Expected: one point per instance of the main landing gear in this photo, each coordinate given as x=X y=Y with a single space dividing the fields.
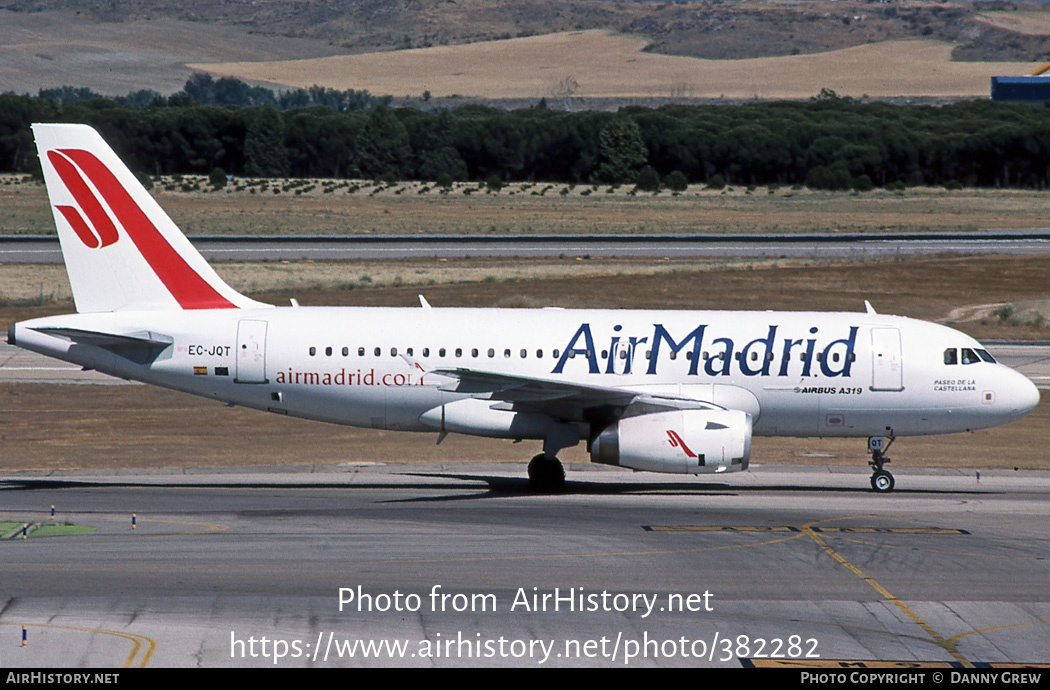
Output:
x=546 y=475
x=881 y=479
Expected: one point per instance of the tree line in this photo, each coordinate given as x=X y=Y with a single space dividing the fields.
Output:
x=203 y=89
x=827 y=142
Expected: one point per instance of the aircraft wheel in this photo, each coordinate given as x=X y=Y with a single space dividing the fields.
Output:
x=882 y=482
x=546 y=474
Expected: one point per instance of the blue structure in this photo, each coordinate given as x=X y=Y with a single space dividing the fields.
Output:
x=1024 y=89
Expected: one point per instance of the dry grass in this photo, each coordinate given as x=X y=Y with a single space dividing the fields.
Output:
x=53 y=427
x=595 y=64
x=532 y=208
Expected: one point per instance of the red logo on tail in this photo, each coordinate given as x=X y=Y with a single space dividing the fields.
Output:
x=677 y=442
x=102 y=232
x=188 y=288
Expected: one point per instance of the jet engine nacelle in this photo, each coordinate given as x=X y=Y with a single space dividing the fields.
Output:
x=679 y=441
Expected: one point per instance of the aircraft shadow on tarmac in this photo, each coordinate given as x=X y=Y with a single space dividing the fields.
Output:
x=503 y=487
x=481 y=486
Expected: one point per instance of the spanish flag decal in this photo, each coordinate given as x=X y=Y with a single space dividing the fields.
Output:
x=200 y=371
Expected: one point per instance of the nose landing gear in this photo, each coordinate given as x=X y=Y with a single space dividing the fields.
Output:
x=881 y=479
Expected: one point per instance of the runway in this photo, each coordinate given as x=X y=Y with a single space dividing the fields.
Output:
x=462 y=565
x=25 y=249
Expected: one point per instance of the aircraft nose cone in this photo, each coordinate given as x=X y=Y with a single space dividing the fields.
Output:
x=1030 y=396
x=1024 y=396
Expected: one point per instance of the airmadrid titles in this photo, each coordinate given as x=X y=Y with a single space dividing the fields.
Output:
x=711 y=356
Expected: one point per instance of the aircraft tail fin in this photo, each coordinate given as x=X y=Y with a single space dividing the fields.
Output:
x=121 y=249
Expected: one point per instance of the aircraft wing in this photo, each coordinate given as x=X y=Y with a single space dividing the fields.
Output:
x=564 y=400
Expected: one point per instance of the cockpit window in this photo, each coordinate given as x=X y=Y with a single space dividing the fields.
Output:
x=968 y=356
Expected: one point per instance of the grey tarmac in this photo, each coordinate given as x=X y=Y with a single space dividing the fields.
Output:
x=36 y=249
x=249 y=568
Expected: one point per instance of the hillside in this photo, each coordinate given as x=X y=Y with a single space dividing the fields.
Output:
x=576 y=69
x=700 y=28
x=114 y=46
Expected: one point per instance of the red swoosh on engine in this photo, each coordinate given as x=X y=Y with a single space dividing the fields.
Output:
x=677 y=442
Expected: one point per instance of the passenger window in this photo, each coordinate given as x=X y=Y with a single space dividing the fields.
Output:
x=441 y=352
x=492 y=353
x=524 y=353
x=969 y=356
x=426 y=351
x=539 y=354
x=506 y=353
x=393 y=352
x=346 y=352
x=328 y=351
x=409 y=352
x=754 y=356
x=951 y=356
x=360 y=352
x=474 y=352
x=313 y=351
x=459 y=352
x=378 y=352
x=555 y=355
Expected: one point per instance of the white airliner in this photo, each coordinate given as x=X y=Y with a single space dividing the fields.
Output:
x=661 y=391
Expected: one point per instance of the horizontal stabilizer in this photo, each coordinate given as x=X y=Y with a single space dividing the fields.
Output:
x=141 y=348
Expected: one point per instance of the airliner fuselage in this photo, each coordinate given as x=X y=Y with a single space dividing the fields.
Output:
x=795 y=373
